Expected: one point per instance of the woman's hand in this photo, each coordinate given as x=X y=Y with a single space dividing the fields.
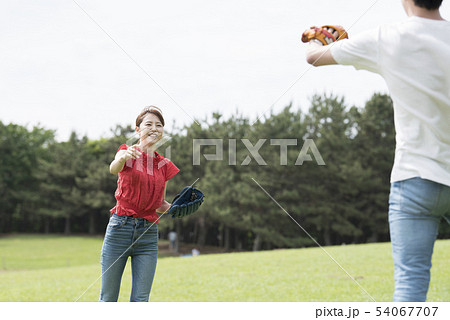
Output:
x=121 y=158
x=131 y=153
x=165 y=206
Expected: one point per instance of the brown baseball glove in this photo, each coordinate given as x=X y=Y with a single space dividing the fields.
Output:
x=323 y=34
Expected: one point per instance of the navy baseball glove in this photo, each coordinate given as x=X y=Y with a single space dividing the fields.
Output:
x=186 y=202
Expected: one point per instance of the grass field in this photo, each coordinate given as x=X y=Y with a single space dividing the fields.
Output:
x=56 y=268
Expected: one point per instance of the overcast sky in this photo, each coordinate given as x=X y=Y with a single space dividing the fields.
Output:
x=88 y=65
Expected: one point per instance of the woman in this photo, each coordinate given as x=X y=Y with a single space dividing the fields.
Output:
x=132 y=229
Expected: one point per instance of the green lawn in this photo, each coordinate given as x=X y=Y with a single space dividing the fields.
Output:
x=56 y=268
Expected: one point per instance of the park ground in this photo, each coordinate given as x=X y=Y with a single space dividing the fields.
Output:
x=59 y=268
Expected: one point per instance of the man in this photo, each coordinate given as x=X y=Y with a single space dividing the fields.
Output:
x=413 y=57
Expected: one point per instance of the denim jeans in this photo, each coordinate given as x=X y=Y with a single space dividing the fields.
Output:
x=118 y=245
x=416 y=207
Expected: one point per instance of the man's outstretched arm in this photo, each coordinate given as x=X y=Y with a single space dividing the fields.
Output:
x=318 y=51
x=319 y=55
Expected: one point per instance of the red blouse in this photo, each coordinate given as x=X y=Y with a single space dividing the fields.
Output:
x=140 y=186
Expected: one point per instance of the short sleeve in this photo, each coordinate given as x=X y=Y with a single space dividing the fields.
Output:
x=129 y=161
x=360 y=51
x=122 y=147
x=171 y=169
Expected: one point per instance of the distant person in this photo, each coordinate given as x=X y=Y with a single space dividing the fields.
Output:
x=132 y=229
x=413 y=57
x=172 y=239
x=195 y=252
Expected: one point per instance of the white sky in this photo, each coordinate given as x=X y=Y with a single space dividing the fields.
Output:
x=59 y=69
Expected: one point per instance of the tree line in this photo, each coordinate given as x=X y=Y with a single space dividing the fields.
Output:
x=280 y=182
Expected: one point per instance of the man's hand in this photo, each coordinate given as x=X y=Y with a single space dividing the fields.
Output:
x=318 y=53
x=325 y=34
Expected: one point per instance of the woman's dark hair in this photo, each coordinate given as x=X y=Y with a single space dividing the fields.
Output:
x=428 y=4
x=150 y=109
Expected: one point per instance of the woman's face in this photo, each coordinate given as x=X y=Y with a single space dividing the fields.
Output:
x=150 y=130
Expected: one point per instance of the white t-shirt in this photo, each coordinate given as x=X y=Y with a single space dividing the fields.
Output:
x=414 y=59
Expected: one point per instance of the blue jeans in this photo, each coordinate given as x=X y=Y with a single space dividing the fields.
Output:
x=416 y=207
x=118 y=245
